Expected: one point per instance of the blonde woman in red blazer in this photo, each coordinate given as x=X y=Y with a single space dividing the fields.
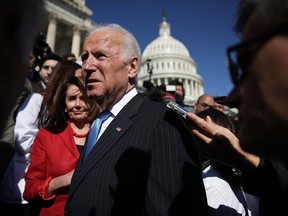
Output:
x=65 y=117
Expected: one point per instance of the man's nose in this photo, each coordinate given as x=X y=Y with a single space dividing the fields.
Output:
x=50 y=70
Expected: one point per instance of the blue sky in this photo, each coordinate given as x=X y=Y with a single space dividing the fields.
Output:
x=205 y=27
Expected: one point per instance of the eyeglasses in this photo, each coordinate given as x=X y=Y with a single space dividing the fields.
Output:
x=205 y=105
x=238 y=71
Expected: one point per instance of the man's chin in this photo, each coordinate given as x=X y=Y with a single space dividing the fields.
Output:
x=95 y=95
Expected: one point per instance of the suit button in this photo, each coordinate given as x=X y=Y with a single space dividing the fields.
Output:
x=67 y=212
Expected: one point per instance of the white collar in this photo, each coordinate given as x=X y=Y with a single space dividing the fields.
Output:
x=123 y=101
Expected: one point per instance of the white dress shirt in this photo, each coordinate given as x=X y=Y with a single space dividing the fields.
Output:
x=117 y=108
x=26 y=128
x=220 y=193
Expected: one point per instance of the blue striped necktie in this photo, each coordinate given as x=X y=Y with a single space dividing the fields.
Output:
x=94 y=131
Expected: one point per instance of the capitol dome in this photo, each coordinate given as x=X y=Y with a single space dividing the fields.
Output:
x=165 y=45
x=166 y=59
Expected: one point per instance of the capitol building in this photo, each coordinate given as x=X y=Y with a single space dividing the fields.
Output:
x=164 y=59
x=67 y=25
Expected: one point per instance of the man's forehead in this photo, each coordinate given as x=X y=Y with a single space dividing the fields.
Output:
x=206 y=97
x=50 y=61
x=104 y=40
x=104 y=34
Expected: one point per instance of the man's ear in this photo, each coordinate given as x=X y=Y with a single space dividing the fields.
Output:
x=134 y=66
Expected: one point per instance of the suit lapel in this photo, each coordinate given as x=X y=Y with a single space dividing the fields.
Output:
x=120 y=124
x=70 y=144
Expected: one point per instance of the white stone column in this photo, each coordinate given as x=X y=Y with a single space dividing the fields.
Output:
x=195 y=89
x=199 y=89
x=166 y=81
x=187 y=87
x=51 y=32
x=76 y=42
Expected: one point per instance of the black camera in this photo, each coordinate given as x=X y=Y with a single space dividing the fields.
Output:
x=170 y=88
x=40 y=48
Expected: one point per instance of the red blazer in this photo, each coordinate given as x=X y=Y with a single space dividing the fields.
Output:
x=52 y=155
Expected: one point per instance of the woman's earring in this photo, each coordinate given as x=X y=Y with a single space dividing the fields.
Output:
x=65 y=110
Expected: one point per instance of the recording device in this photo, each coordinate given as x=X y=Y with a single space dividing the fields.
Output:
x=182 y=112
x=40 y=48
x=170 y=88
x=177 y=108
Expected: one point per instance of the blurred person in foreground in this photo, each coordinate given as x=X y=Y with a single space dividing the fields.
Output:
x=7 y=146
x=260 y=94
x=20 y=22
x=141 y=163
x=64 y=121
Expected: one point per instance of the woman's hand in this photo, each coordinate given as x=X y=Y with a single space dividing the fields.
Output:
x=60 y=182
x=220 y=144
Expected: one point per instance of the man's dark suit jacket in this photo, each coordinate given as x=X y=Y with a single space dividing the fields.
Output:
x=145 y=163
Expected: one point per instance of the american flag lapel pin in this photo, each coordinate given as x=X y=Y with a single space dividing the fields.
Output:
x=118 y=129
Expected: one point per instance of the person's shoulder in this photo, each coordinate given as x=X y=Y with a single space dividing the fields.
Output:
x=210 y=171
x=33 y=97
x=154 y=107
x=37 y=87
x=33 y=101
x=57 y=129
x=154 y=104
x=52 y=131
x=36 y=96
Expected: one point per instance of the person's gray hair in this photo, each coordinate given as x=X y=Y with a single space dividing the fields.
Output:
x=130 y=46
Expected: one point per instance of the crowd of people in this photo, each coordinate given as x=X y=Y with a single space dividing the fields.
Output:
x=60 y=156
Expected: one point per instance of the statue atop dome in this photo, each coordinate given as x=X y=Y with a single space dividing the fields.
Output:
x=164 y=29
x=163 y=16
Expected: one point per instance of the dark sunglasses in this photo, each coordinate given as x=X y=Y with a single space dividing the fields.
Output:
x=237 y=72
